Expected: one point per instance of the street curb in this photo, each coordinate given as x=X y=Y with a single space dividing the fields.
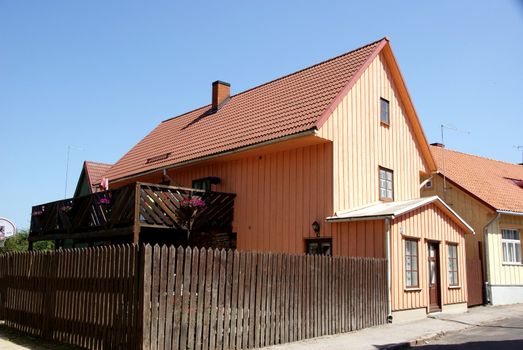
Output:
x=418 y=341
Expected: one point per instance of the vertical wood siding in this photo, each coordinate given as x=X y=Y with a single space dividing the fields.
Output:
x=503 y=274
x=279 y=195
x=427 y=223
x=359 y=238
x=475 y=213
x=361 y=143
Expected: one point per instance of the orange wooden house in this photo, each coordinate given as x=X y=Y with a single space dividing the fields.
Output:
x=326 y=160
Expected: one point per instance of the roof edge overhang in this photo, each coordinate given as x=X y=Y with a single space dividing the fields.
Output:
x=508 y=212
x=412 y=115
x=360 y=218
x=488 y=205
x=332 y=106
x=428 y=200
x=309 y=132
x=83 y=174
x=409 y=107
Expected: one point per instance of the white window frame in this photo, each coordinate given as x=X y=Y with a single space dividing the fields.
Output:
x=453 y=282
x=511 y=245
x=386 y=184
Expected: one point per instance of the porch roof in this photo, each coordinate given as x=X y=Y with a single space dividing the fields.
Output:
x=391 y=210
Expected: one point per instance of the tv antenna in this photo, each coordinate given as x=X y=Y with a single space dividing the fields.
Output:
x=69 y=147
x=520 y=148
x=452 y=128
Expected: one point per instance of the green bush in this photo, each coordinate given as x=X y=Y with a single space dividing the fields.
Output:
x=19 y=243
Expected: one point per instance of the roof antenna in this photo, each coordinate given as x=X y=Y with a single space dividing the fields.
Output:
x=520 y=148
x=67 y=165
x=448 y=127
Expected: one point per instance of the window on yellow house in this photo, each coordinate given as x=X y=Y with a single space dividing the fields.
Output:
x=511 y=242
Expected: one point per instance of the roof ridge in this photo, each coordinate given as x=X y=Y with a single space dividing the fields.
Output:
x=99 y=163
x=475 y=155
x=288 y=75
x=310 y=67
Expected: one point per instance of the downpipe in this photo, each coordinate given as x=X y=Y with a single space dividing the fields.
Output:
x=485 y=248
x=387 y=252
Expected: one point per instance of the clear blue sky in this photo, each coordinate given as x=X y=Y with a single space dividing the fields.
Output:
x=101 y=74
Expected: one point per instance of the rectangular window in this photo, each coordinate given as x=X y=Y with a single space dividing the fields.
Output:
x=386 y=184
x=411 y=263
x=319 y=246
x=511 y=242
x=384 y=111
x=205 y=183
x=453 y=265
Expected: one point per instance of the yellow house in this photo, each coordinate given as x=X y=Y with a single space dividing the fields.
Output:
x=488 y=194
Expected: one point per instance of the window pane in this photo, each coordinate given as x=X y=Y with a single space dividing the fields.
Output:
x=414 y=279
x=407 y=247
x=432 y=272
x=384 y=111
x=414 y=248
x=505 y=251
x=518 y=252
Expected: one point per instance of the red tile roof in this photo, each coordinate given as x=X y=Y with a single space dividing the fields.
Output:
x=95 y=173
x=492 y=181
x=285 y=106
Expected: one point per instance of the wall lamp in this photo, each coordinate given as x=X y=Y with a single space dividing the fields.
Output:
x=316 y=228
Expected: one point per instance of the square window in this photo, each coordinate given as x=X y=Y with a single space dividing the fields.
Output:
x=384 y=111
x=319 y=246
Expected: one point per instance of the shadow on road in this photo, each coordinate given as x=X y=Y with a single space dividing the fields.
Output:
x=480 y=345
x=20 y=340
x=476 y=324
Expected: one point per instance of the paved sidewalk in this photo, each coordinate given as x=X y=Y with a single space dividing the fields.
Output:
x=395 y=335
x=14 y=340
x=399 y=335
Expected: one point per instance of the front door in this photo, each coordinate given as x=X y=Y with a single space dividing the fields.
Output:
x=434 y=289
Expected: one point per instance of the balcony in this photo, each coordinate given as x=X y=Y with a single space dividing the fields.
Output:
x=137 y=213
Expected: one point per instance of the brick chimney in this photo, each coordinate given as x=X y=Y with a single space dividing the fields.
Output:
x=221 y=92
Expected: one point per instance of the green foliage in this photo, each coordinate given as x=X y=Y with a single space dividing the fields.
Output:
x=19 y=243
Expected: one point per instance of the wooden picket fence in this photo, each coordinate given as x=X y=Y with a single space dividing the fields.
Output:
x=126 y=297
x=216 y=299
x=85 y=297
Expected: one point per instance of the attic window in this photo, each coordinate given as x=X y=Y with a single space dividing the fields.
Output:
x=157 y=158
x=384 y=111
x=517 y=182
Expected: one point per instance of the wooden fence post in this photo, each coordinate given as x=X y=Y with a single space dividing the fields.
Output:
x=49 y=298
x=3 y=286
x=144 y=322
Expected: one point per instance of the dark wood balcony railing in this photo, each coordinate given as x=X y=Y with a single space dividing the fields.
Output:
x=128 y=209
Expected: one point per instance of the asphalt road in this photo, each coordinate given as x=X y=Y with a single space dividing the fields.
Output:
x=506 y=334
